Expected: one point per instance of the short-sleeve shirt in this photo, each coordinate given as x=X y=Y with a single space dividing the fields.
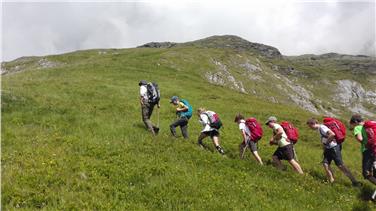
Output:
x=204 y=120
x=323 y=130
x=144 y=93
x=359 y=129
x=283 y=140
x=244 y=128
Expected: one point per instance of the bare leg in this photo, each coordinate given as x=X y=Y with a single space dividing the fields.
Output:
x=347 y=172
x=242 y=148
x=296 y=166
x=277 y=163
x=257 y=156
x=217 y=146
x=329 y=172
x=200 y=138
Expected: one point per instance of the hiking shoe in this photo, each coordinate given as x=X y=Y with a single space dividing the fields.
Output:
x=220 y=150
x=373 y=197
x=156 y=130
x=357 y=184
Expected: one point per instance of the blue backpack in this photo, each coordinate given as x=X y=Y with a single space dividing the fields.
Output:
x=188 y=113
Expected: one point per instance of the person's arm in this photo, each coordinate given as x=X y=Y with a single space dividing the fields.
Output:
x=278 y=135
x=185 y=108
x=142 y=100
x=244 y=135
x=330 y=135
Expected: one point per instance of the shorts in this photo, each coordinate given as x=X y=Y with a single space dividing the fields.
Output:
x=285 y=153
x=331 y=154
x=211 y=133
x=368 y=160
x=251 y=144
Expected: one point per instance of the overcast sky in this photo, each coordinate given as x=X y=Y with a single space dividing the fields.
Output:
x=294 y=27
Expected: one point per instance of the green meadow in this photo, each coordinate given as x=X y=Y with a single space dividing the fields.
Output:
x=73 y=139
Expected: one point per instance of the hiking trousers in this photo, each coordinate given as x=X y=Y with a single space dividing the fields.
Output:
x=183 y=123
x=147 y=111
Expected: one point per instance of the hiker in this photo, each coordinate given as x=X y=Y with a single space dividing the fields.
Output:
x=251 y=132
x=285 y=149
x=149 y=97
x=331 y=152
x=184 y=113
x=368 y=156
x=211 y=123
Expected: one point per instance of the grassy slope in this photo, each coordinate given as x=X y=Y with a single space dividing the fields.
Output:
x=72 y=138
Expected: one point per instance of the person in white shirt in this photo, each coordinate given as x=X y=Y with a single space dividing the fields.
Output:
x=147 y=108
x=331 y=152
x=285 y=149
x=246 y=135
x=208 y=130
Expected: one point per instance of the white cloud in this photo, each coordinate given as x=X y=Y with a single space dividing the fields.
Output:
x=294 y=27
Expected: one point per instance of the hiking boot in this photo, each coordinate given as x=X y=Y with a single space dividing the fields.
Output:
x=156 y=130
x=220 y=150
x=357 y=184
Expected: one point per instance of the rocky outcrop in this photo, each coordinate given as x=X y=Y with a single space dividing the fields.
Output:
x=223 y=77
x=158 y=45
x=351 y=94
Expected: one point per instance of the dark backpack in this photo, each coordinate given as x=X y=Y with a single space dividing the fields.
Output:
x=255 y=127
x=370 y=127
x=291 y=131
x=214 y=120
x=154 y=94
x=337 y=127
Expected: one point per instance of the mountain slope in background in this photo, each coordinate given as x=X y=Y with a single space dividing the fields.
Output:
x=73 y=139
x=330 y=84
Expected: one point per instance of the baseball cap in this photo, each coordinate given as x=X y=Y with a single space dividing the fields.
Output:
x=270 y=119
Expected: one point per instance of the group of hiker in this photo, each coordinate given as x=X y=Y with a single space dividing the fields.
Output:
x=332 y=133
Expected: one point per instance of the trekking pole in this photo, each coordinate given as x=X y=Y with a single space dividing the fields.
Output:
x=244 y=149
x=158 y=117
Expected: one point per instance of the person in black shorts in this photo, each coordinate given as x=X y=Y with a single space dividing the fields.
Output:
x=368 y=157
x=204 y=119
x=332 y=151
x=285 y=148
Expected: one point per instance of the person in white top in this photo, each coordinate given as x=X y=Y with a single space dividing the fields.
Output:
x=246 y=135
x=285 y=149
x=207 y=130
x=147 y=108
x=331 y=152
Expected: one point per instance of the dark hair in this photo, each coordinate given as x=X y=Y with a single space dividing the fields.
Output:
x=312 y=121
x=238 y=117
x=356 y=118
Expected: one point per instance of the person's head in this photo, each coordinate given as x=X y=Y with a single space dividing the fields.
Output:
x=200 y=111
x=356 y=120
x=142 y=83
x=175 y=100
x=238 y=117
x=271 y=121
x=313 y=123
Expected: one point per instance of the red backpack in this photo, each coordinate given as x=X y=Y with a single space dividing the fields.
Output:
x=255 y=128
x=337 y=127
x=370 y=127
x=291 y=131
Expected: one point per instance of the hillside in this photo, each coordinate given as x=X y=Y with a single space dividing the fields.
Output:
x=72 y=135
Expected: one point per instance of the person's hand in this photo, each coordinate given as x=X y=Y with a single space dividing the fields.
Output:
x=159 y=105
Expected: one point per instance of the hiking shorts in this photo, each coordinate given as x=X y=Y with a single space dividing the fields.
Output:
x=368 y=160
x=331 y=154
x=211 y=133
x=252 y=145
x=285 y=153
